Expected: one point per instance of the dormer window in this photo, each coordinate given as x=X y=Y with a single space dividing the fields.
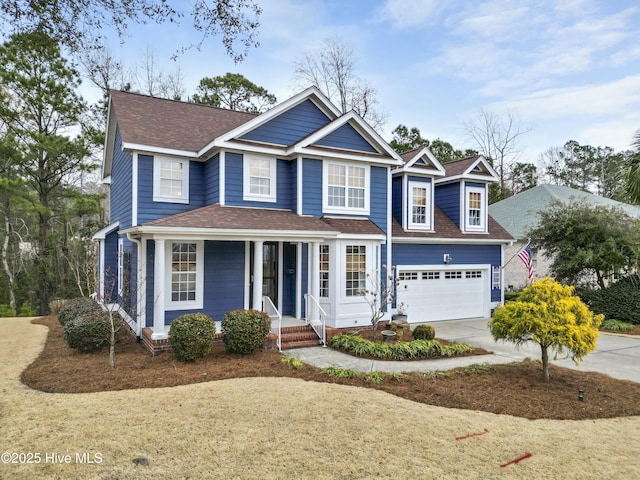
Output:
x=420 y=205
x=170 y=180
x=259 y=178
x=476 y=210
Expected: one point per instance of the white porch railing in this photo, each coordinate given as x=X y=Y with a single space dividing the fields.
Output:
x=270 y=309
x=316 y=317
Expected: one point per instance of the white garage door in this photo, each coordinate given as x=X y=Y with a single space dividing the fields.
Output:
x=433 y=295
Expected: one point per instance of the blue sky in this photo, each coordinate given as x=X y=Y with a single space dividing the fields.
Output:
x=568 y=69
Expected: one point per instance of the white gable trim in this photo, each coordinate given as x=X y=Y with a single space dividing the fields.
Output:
x=103 y=232
x=359 y=125
x=161 y=150
x=437 y=170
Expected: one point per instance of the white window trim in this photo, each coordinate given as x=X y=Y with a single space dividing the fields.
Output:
x=246 y=179
x=157 y=196
x=419 y=226
x=198 y=303
x=325 y=189
x=483 y=209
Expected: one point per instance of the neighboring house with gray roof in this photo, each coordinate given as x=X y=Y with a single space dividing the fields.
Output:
x=520 y=213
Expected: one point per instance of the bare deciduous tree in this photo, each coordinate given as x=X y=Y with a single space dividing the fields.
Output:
x=333 y=71
x=497 y=138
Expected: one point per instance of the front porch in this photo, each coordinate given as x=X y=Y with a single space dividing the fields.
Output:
x=294 y=333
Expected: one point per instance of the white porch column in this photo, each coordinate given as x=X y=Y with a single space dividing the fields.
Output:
x=158 y=291
x=314 y=281
x=257 y=274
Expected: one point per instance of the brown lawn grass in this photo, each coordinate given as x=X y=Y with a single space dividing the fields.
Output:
x=267 y=424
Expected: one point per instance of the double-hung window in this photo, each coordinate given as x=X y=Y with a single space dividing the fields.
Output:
x=346 y=188
x=185 y=278
x=356 y=266
x=259 y=181
x=170 y=180
x=420 y=205
x=324 y=271
x=476 y=210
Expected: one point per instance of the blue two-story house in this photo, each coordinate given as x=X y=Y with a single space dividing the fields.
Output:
x=293 y=211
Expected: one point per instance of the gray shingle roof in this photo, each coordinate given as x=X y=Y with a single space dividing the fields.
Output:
x=519 y=213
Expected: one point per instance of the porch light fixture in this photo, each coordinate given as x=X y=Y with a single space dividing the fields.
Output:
x=581 y=395
x=448 y=259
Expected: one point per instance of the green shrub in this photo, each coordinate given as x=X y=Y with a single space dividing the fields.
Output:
x=616 y=325
x=374 y=377
x=26 y=310
x=90 y=332
x=191 y=336
x=339 y=372
x=397 y=351
x=621 y=300
x=78 y=307
x=511 y=295
x=6 y=311
x=56 y=305
x=424 y=332
x=245 y=330
x=293 y=362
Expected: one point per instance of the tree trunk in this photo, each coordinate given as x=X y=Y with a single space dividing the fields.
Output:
x=545 y=362
x=5 y=264
x=112 y=342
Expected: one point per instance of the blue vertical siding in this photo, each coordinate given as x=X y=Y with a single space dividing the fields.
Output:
x=290 y=126
x=211 y=181
x=379 y=195
x=347 y=137
x=447 y=197
x=312 y=187
x=396 y=195
x=149 y=210
x=120 y=191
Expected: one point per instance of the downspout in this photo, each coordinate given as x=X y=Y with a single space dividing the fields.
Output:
x=139 y=290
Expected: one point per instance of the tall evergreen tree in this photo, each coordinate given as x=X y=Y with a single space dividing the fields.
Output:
x=41 y=109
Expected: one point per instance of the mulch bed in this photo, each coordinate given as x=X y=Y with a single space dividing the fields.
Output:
x=516 y=389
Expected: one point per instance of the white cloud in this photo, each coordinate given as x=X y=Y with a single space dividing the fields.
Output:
x=407 y=13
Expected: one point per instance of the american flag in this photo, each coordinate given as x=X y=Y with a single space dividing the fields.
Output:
x=525 y=256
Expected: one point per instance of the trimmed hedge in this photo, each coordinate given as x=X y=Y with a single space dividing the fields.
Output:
x=620 y=301
x=424 y=332
x=191 y=336
x=90 y=332
x=245 y=330
x=78 y=307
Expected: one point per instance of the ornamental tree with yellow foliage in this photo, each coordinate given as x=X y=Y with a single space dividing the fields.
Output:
x=550 y=315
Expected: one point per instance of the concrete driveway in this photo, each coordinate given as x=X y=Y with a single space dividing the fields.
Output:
x=616 y=355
